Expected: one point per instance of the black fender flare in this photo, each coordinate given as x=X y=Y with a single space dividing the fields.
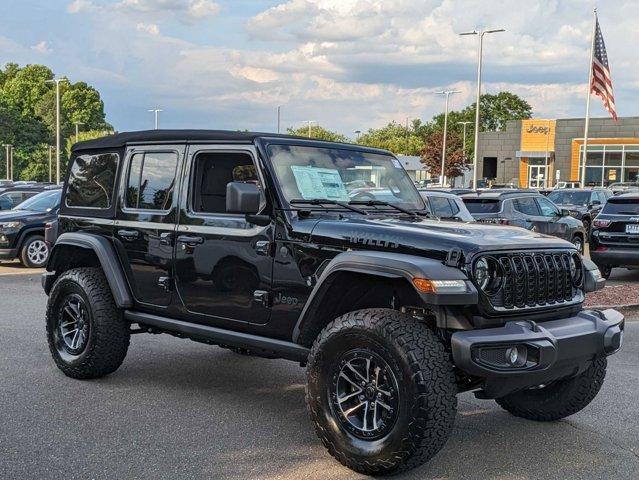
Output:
x=24 y=234
x=107 y=257
x=389 y=265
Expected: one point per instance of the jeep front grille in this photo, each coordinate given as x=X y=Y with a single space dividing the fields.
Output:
x=534 y=280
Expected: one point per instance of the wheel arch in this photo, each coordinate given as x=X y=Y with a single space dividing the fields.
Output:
x=77 y=249
x=26 y=233
x=357 y=280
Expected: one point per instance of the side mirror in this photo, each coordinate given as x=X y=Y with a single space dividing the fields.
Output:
x=242 y=198
x=595 y=202
x=564 y=212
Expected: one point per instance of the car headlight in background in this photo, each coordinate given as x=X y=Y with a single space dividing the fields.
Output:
x=488 y=274
x=9 y=227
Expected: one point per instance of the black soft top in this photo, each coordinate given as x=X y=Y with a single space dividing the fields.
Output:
x=120 y=140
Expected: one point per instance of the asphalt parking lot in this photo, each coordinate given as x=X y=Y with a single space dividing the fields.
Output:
x=178 y=409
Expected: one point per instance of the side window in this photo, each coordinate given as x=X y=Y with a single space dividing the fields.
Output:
x=526 y=205
x=151 y=180
x=441 y=207
x=601 y=196
x=91 y=181
x=212 y=171
x=548 y=209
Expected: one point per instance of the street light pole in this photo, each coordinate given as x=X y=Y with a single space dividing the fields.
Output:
x=309 y=126
x=11 y=150
x=447 y=94
x=50 y=163
x=480 y=34
x=7 y=146
x=279 y=116
x=57 y=123
x=156 y=114
x=357 y=134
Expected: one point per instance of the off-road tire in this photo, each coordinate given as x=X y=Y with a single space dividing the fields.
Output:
x=559 y=399
x=24 y=252
x=426 y=386
x=109 y=334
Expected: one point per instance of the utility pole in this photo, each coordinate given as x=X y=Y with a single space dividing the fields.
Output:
x=447 y=94
x=50 y=163
x=156 y=114
x=11 y=150
x=309 y=126
x=357 y=134
x=77 y=131
x=463 y=124
x=7 y=146
x=279 y=117
x=480 y=35
x=57 y=81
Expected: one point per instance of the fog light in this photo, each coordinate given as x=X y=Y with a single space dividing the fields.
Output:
x=517 y=355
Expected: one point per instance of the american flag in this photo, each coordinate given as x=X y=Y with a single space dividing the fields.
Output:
x=601 y=82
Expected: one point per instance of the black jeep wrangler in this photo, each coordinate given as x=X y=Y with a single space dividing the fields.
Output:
x=321 y=253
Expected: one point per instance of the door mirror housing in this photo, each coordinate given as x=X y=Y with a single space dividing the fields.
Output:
x=594 y=203
x=564 y=212
x=242 y=198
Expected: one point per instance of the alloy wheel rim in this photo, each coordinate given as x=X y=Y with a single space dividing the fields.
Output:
x=73 y=325
x=364 y=394
x=577 y=243
x=37 y=252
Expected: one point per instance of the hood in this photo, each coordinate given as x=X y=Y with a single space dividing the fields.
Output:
x=428 y=237
x=14 y=215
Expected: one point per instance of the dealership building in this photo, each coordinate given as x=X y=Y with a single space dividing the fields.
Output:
x=537 y=153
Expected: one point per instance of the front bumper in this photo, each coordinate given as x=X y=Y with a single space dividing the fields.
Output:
x=555 y=349
x=8 y=253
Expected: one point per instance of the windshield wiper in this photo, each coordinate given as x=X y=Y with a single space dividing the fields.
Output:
x=326 y=201
x=382 y=203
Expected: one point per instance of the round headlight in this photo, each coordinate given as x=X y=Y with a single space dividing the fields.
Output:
x=488 y=274
x=576 y=269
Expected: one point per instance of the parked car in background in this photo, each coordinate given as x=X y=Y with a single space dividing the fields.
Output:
x=526 y=209
x=560 y=185
x=22 y=229
x=503 y=186
x=454 y=191
x=423 y=183
x=624 y=187
x=445 y=206
x=18 y=192
x=614 y=238
x=583 y=203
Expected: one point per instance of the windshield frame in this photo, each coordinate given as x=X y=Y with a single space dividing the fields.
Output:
x=265 y=143
x=570 y=192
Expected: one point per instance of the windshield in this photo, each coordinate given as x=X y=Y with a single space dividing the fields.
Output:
x=481 y=205
x=42 y=202
x=341 y=175
x=622 y=206
x=570 y=198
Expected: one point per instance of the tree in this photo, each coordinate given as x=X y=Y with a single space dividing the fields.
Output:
x=396 y=137
x=318 y=132
x=83 y=136
x=431 y=154
x=496 y=110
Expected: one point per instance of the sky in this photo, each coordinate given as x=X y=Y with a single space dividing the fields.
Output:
x=346 y=64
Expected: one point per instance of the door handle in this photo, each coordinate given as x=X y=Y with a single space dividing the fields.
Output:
x=129 y=234
x=189 y=240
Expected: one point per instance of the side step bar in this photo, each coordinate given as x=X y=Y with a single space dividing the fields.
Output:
x=279 y=348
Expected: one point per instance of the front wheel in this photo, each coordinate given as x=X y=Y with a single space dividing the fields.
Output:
x=605 y=271
x=559 y=399
x=578 y=242
x=35 y=252
x=381 y=391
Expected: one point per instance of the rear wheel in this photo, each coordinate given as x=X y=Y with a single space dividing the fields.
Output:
x=87 y=334
x=35 y=252
x=605 y=271
x=559 y=399
x=381 y=391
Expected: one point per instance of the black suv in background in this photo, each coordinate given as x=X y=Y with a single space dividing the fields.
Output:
x=530 y=210
x=614 y=240
x=22 y=229
x=253 y=242
x=14 y=195
x=583 y=203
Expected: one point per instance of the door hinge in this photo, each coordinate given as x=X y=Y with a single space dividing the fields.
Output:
x=262 y=297
x=165 y=283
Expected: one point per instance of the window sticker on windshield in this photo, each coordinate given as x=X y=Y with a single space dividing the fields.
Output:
x=315 y=182
x=396 y=163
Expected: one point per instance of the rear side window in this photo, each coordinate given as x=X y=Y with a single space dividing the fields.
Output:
x=526 y=205
x=91 y=181
x=443 y=208
x=482 y=205
x=151 y=180
x=619 y=206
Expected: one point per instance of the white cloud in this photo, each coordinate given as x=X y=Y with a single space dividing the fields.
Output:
x=41 y=47
x=150 y=28
x=187 y=11
x=202 y=9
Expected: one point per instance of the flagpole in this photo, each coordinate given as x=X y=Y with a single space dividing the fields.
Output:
x=587 y=122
